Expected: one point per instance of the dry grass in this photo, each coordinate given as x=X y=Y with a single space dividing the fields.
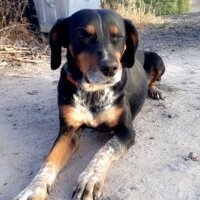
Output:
x=13 y=25
x=139 y=15
x=17 y=41
x=20 y=53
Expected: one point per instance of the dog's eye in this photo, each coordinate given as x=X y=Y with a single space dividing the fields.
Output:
x=116 y=38
x=87 y=38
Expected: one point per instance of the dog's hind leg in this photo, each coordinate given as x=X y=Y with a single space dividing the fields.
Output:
x=154 y=67
x=154 y=77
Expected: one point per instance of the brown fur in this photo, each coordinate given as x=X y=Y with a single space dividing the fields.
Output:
x=85 y=61
x=114 y=30
x=61 y=151
x=76 y=117
x=154 y=76
x=91 y=29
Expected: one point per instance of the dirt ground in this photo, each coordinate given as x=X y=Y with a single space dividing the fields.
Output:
x=157 y=167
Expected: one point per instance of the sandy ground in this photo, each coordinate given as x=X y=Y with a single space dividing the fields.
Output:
x=157 y=167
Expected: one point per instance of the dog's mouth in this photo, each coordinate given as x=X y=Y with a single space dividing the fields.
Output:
x=95 y=80
x=90 y=81
x=97 y=77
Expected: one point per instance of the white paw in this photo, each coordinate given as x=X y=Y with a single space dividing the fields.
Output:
x=36 y=191
x=89 y=186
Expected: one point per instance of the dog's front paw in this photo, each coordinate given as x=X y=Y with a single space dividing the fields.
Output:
x=89 y=186
x=155 y=93
x=35 y=191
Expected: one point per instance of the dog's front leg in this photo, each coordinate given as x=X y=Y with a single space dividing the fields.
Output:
x=63 y=148
x=91 y=181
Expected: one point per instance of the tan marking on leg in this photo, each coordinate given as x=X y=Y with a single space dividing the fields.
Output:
x=154 y=76
x=39 y=187
x=61 y=152
x=154 y=92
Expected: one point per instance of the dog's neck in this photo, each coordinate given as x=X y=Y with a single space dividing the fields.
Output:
x=73 y=74
x=70 y=79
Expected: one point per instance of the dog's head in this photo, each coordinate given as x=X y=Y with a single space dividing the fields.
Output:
x=99 y=43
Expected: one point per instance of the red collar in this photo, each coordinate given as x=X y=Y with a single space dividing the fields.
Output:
x=69 y=78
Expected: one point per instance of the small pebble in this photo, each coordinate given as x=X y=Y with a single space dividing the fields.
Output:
x=151 y=138
x=194 y=156
x=171 y=116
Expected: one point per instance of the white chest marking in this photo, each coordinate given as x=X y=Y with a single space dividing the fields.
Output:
x=92 y=104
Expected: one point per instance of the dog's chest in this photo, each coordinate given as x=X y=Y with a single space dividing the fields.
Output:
x=93 y=105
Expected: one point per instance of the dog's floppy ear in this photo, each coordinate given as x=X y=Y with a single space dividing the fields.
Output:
x=58 y=38
x=128 y=58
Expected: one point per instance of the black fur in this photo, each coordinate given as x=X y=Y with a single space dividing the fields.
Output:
x=131 y=91
x=153 y=61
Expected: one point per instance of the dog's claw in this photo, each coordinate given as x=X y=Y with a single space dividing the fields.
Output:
x=77 y=194
x=88 y=188
x=73 y=194
x=155 y=93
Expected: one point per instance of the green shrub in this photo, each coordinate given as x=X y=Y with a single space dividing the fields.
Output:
x=167 y=7
x=161 y=7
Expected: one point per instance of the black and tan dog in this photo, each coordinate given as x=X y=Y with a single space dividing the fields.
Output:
x=103 y=84
x=154 y=68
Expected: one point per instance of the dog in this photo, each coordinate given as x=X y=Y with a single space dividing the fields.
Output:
x=154 y=67
x=102 y=84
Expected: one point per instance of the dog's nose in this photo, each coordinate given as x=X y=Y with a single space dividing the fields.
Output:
x=109 y=69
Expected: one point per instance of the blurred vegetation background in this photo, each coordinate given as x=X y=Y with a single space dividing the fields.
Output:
x=18 y=18
x=160 y=7
x=21 y=39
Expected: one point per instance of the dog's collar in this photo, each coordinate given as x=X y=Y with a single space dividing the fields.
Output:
x=70 y=79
